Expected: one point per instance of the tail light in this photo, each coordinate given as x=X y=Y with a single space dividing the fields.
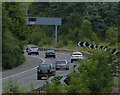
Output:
x=39 y=71
x=30 y=50
x=51 y=71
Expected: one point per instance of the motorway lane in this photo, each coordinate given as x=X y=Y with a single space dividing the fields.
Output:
x=28 y=77
x=30 y=63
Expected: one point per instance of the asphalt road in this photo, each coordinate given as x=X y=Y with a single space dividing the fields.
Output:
x=25 y=75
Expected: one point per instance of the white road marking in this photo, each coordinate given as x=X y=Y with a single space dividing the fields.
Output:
x=26 y=70
x=29 y=69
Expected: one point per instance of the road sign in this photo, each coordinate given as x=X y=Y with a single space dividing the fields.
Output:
x=43 y=21
x=105 y=48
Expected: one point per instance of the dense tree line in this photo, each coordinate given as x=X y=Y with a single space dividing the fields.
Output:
x=81 y=21
x=91 y=22
x=14 y=32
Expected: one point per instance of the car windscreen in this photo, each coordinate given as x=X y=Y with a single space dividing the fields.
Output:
x=50 y=51
x=77 y=54
x=44 y=67
x=61 y=62
x=34 y=47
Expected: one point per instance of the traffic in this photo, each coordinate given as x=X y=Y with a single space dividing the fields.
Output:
x=39 y=69
x=50 y=69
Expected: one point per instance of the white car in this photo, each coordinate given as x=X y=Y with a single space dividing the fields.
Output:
x=76 y=56
x=32 y=49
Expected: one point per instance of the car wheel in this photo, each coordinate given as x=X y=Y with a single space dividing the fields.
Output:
x=29 y=53
x=46 y=57
x=37 y=53
x=67 y=68
x=54 y=57
x=54 y=74
x=71 y=61
x=39 y=77
x=56 y=68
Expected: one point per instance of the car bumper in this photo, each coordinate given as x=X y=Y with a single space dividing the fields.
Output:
x=44 y=75
x=77 y=58
x=50 y=55
x=62 y=67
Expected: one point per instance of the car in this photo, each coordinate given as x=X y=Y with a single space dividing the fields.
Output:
x=50 y=53
x=44 y=70
x=32 y=49
x=62 y=64
x=76 y=56
x=28 y=47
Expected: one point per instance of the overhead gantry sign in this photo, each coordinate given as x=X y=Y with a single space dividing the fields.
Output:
x=45 y=21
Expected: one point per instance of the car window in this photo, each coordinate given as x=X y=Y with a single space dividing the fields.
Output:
x=77 y=54
x=61 y=62
x=50 y=51
x=33 y=47
x=45 y=66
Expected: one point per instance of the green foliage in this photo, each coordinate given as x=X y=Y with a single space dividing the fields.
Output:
x=80 y=21
x=55 y=87
x=31 y=87
x=12 y=87
x=94 y=75
x=112 y=35
x=12 y=55
x=14 y=32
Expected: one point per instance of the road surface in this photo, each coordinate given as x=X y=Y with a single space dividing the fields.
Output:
x=25 y=74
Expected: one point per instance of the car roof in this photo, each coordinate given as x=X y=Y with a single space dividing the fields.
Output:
x=61 y=60
x=45 y=64
x=77 y=53
x=32 y=46
x=50 y=51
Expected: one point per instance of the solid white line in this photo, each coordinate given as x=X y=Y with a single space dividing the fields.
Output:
x=29 y=69
x=26 y=70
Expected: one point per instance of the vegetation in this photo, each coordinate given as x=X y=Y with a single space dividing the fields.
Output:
x=14 y=32
x=94 y=75
x=12 y=87
x=91 y=22
x=96 y=23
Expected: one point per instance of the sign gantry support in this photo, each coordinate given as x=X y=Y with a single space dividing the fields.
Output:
x=43 y=21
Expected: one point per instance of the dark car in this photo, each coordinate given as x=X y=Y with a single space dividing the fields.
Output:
x=44 y=70
x=50 y=53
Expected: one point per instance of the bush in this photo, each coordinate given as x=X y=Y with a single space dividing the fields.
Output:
x=94 y=74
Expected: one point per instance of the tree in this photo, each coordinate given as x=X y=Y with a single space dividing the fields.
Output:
x=94 y=74
x=112 y=35
x=85 y=31
x=14 y=32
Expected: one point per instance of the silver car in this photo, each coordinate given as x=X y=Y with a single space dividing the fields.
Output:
x=62 y=64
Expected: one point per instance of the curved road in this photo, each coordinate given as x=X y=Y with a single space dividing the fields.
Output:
x=26 y=73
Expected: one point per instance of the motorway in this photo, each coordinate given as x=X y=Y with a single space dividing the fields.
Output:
x=25 y=74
